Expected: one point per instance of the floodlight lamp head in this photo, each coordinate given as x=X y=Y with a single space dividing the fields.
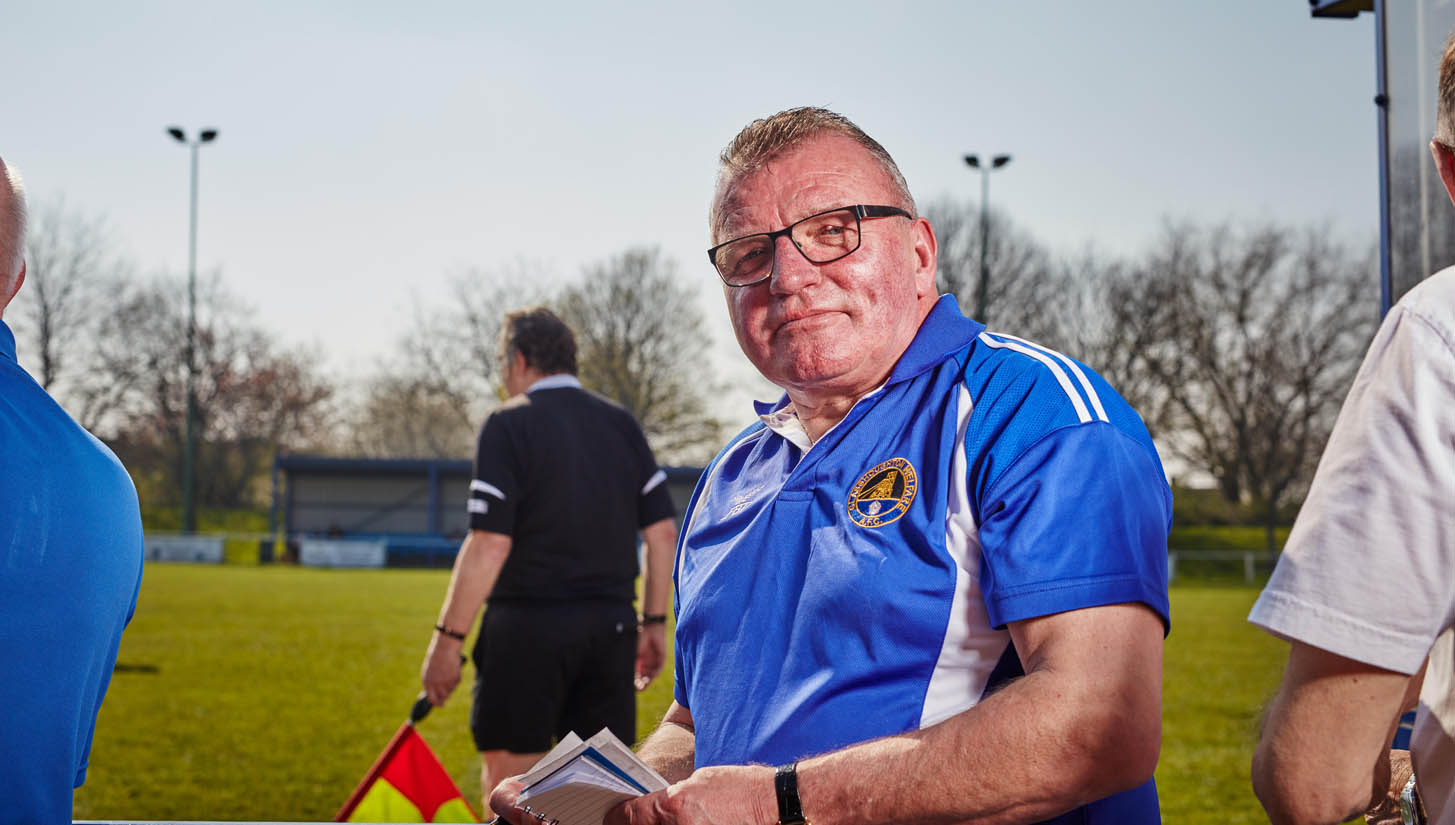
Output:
x=209 y=134
x=176 y=132
x=973 y=161
x=999 y=161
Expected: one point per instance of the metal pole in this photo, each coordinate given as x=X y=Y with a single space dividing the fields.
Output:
x=1387 y=294
x=189 y=453
x=982 y=294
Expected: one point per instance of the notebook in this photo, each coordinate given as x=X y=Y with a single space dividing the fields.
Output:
x=579 y=781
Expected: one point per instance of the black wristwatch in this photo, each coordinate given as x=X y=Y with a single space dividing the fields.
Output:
x=785 y=782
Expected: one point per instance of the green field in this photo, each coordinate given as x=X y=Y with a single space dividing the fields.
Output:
x=265 y=693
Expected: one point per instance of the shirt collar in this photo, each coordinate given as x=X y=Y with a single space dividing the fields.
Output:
x=945 y=330
x=7 y=342
x=553 y=382
x=782 y=419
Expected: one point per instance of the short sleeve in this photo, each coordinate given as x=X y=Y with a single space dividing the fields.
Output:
x=494 y=484
x=1366 y=570
x=654 y=501
x=1079 y=519
x=680 y=678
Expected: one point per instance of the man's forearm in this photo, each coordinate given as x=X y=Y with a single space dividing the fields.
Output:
x=1326 y=732
x=670 y=750
x=477 y=566
x=661 y=540
x=1027 y=753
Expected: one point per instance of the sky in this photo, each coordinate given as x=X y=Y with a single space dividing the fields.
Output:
x=369 y=152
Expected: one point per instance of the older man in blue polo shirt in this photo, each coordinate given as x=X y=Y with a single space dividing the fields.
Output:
x=929 y=584
x=70 y=569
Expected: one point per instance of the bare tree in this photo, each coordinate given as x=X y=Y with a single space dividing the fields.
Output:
x=412 y=416
x=253 y=398
x=1023 y=283
x=1110 y=315
x=430 y=398
x=72 y=270
x=1254 y=336
x=641 y=341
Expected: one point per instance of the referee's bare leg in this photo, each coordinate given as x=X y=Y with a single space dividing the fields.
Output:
x=496 y=767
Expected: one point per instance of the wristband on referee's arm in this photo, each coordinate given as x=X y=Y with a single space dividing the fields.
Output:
x=456 y=635
x=785 y=783
x=652 y=618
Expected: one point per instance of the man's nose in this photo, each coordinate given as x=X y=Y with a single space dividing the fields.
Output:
x=791 y=270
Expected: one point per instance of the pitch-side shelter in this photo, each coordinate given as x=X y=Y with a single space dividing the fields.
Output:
x=395 y=512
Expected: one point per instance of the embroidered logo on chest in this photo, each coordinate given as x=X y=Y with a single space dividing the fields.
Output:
x=883 y=494
x=742 y=500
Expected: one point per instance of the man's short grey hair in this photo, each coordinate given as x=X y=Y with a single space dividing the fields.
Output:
x=765 y=139
x=12 y=224
x=1445 y=109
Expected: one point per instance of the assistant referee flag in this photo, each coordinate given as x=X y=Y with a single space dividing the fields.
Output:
x=407 y=784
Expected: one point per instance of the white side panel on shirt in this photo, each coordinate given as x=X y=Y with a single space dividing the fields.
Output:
x=971 y=649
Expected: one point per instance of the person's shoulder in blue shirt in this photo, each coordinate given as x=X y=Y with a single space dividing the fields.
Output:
x=70 y=570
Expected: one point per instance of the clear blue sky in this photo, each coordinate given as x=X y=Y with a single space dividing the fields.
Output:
x=369 y=150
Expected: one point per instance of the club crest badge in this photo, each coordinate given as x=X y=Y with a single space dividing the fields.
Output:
x=883 y=494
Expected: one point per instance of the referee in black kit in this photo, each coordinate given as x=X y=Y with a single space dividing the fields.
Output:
x=563 y=482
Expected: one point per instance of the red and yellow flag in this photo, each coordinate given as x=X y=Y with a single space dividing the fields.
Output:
x=406 y=784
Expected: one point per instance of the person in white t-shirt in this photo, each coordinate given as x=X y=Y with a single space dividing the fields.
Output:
x=1365 y=589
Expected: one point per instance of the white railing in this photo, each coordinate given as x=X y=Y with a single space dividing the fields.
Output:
x=1249 y=558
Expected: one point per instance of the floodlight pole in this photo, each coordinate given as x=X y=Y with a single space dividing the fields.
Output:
x=189 y=448
x=982 y=291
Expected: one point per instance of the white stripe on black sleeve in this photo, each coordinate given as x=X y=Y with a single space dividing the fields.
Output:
x=476 y=485
x=657 y=478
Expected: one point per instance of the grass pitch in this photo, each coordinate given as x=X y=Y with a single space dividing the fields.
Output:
x=265 y=693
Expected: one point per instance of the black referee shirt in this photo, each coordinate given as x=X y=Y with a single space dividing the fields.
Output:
x=569 y=477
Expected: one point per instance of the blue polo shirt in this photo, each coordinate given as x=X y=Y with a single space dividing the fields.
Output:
x=860 y=586
x=70 y=569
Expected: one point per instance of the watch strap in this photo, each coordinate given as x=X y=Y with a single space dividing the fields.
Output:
x=785 y=782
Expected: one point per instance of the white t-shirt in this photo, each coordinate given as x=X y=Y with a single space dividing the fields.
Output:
x=1369 y=569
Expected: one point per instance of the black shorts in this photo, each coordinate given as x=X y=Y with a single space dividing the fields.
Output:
x=542 y=670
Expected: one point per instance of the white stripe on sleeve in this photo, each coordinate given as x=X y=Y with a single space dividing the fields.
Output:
x=652 y=482
x=1061 y=377
x=476 y=485
x=1075 y=369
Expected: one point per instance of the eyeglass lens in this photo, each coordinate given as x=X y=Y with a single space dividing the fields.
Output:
x=821 y=239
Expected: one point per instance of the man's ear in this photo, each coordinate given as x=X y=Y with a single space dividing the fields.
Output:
x=1445 y=163
x=14 y=287
x=926 y=255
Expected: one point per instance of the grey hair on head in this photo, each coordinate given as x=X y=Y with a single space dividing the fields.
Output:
x=1445 y=106
x=766 y=138
x=12 y=223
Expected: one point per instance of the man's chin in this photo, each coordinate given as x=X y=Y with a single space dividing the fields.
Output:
x=815 y=373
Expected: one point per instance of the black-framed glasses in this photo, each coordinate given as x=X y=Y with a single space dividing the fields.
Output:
x=822 y=238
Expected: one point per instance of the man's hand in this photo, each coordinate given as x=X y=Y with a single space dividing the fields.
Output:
x=440 y=673
x=651 y=653
x=1391 y=775
x=735 y=795
x=502 y=802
